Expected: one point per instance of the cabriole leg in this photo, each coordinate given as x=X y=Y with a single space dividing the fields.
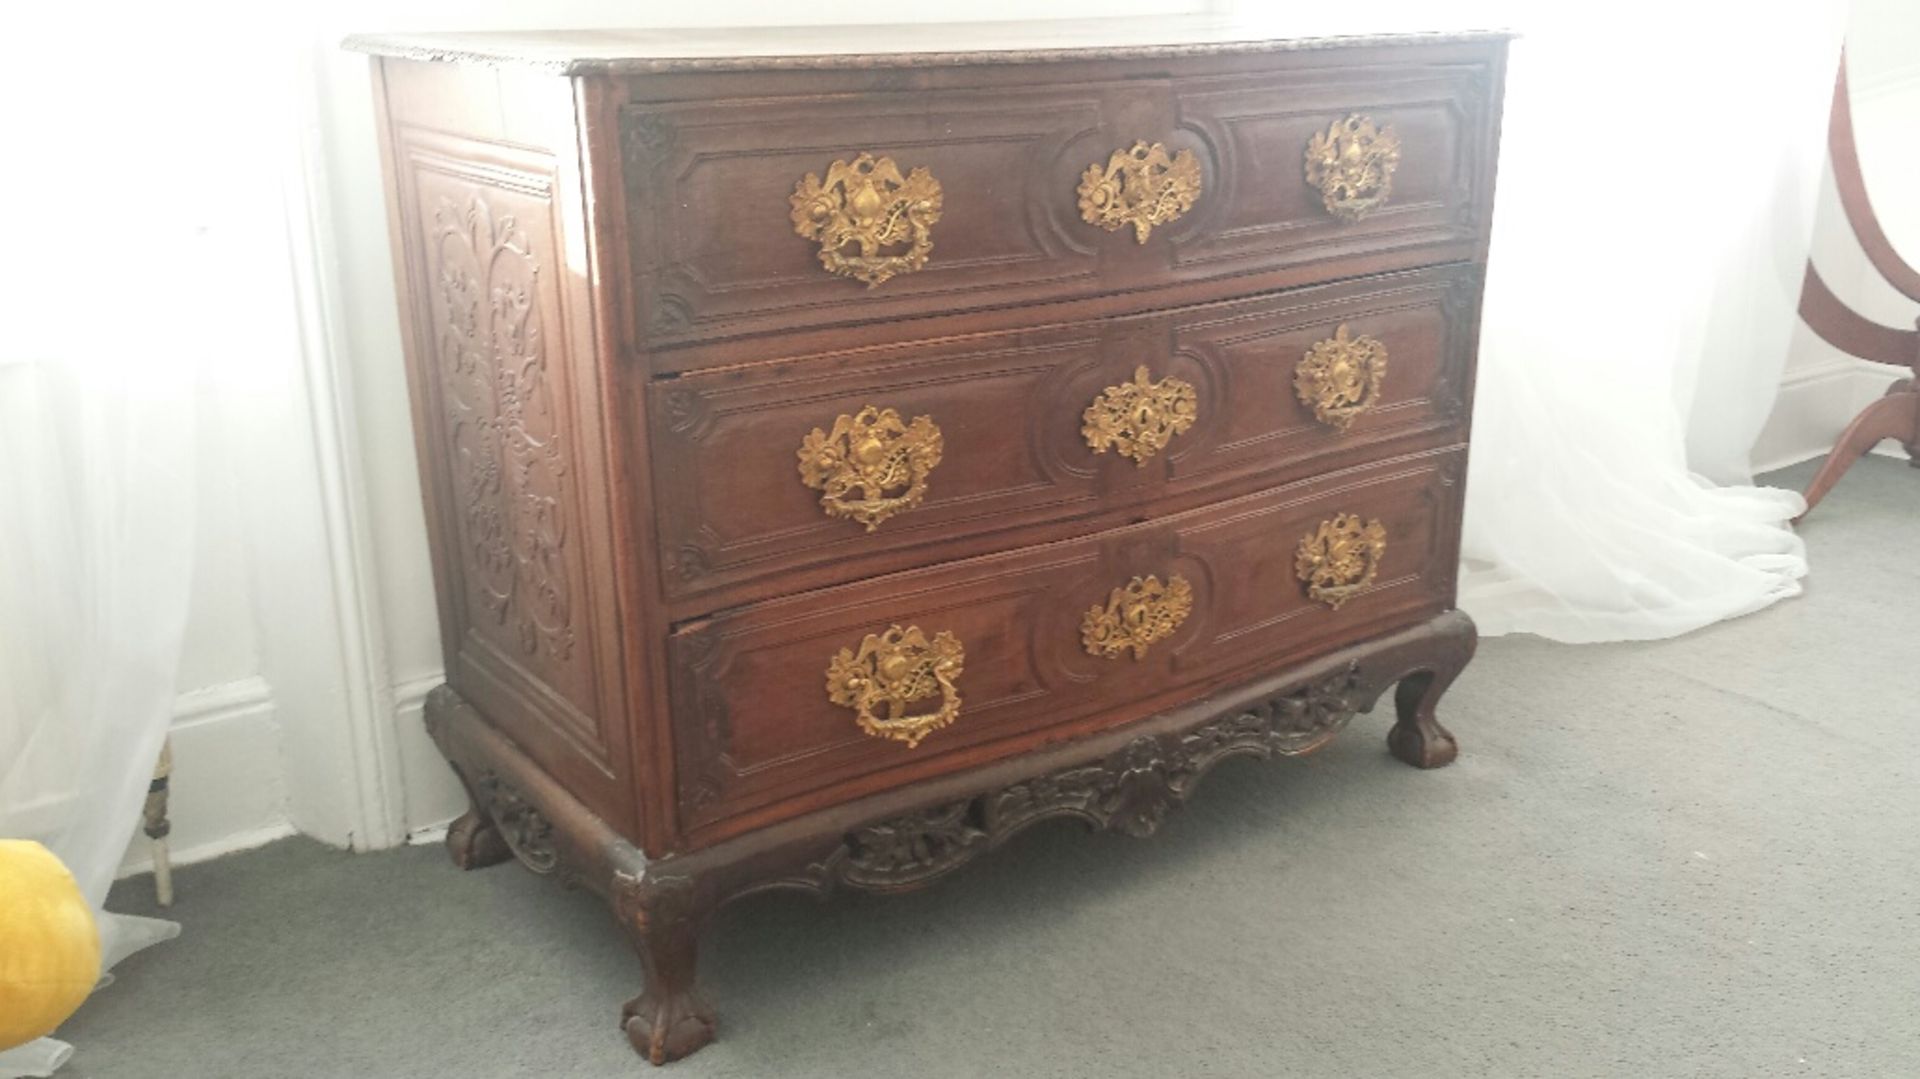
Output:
x=1417 y=737
x=669 y=1019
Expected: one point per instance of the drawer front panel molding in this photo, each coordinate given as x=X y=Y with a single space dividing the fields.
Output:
x=1018 y=445
x=753 y=726
x=715 y=210
x=1297 y=185
x=1212 y=178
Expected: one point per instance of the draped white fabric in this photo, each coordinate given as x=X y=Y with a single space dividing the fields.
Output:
x=1657 y=186
x=95 y=463
x=1658 y=171
x=121 y=240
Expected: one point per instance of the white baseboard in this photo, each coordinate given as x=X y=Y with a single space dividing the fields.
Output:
x=1816 y=403
x=203 y=852
x=228 y=791
x=433 y=833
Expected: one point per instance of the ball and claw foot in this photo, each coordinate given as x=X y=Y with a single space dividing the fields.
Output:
x=474 y=843
x=1417 y=737
x=667 y=1026
x=670 y=1018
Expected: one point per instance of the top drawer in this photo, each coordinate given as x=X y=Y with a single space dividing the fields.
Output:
x=801 y=212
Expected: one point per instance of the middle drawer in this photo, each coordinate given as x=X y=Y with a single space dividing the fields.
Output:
x=824 y=469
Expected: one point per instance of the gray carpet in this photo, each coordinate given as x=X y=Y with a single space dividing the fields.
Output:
x=1694 y=858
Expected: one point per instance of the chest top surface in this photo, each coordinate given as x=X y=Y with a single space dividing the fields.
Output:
x=589 y=52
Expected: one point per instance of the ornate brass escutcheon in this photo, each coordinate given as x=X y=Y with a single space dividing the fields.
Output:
x=1137 y=419
x=1142 y=187
x=1338 y=560
x=865 y=208
x=1136 y=616
x=872 y=465
x=892 y=671
x=1340 y=377
x=1352 y=164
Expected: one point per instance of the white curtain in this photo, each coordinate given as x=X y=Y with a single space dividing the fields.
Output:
x=1658 y=174
x=1658 y=169
x=126 y=211
x=96 y=472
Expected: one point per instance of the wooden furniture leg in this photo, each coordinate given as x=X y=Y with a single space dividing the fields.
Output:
x=1897 y=415
x=1417 y=736
x=473 y=839
x=670 y=1018
x=157 y=826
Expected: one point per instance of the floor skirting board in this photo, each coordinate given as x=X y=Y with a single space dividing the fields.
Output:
x=1815 y=403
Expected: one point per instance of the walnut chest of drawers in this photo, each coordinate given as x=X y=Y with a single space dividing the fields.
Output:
x=843 y=448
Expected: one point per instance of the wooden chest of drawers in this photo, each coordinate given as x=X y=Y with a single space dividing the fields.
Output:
x=840 y=454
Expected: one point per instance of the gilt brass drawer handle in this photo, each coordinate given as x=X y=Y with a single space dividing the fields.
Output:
x=872 y=465
x=1136 y=616
x=891 y=672
x=1338 y=561
x=1142 y=187
x=865 y=208
x=1340 y=377
x=1352 y=164
x=1137 y=419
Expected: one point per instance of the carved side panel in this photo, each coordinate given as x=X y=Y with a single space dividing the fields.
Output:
x=502 y=434
x=507 y=460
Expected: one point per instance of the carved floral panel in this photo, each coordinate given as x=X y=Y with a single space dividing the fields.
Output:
x=507 y=458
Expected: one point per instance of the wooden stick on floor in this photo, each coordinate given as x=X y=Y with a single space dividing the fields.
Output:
x=158 y=826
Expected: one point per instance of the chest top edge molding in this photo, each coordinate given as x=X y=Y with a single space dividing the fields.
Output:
x=640 y=51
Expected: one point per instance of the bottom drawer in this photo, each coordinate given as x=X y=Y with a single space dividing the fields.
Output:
x=783 y=706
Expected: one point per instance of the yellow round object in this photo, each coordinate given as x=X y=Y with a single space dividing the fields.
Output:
x=49 y=944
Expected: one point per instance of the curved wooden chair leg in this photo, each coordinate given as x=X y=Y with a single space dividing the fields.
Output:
x=1897 y=415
